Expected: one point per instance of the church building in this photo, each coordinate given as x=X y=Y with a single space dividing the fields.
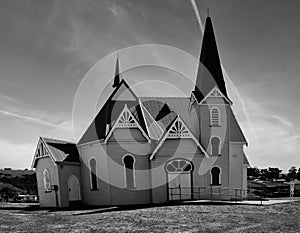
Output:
x=151 y=150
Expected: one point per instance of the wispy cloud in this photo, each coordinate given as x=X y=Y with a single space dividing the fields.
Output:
x=277 y=140
x=32 y=119
x=5 y=97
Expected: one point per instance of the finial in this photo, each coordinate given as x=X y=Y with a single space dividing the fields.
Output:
x=207 y=12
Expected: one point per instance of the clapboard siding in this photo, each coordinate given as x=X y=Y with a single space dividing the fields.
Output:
x=236 y=166
x=64 y=172
x=179 y=147
x=119 y=194
x=102 y=195
x=127 y=134
x=47 y=199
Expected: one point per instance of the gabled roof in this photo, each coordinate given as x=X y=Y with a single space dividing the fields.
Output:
x=154 y=130
x=126 y=119
x=109 y=112
x=215 y=93
x=177 y=129
x=178 y=105
x=209 y=71
x=236 y=133
x=245 y=160
x=58 y=150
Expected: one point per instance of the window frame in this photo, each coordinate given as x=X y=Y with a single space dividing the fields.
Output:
x=133 y=171
x=47 y=189
x=211 y=145
x=92 y=188
x=212 y=124
x=220 y=176
x=187 y=162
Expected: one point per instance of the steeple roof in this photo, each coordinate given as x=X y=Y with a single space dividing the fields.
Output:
x=209 y=71
x=117 y=75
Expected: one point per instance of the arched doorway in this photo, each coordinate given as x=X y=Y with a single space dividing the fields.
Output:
x=74 y=189
x=179 y=174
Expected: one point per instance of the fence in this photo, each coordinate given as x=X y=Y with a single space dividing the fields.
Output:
x=208 y=193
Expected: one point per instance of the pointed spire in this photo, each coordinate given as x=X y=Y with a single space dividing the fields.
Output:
x=117 y=75
x=209 y=61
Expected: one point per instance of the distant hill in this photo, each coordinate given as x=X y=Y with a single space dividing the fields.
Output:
x=15 y=173
x=22 y=181
x=9 y=187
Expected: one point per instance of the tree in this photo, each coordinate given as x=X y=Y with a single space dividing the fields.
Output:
x=274 y=172
x=292 y=174
x=298 y=174
x=253 y=171
x=264 y=174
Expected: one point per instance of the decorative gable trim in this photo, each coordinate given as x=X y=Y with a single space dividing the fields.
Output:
x=42 y=150
x=126 y=120
x=178 y=129
x=215 y=93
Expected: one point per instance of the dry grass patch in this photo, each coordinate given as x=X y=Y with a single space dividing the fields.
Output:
x=183 y=218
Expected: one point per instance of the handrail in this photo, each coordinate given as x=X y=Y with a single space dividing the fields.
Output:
x=211 y=192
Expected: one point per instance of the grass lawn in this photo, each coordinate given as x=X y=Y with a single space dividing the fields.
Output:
x=183 y=218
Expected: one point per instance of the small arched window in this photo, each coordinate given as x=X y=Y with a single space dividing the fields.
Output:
x=129 y=175
x=47 y=180
x=93 y=174
x=215 y=146
x=179 y=166
x=215 y=116
x=215 y=176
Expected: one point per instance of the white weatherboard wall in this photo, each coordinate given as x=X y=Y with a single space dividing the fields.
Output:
x=236 y=172
x=132 y=142
x=47 y=199
x=101 y=196
x=64 y=172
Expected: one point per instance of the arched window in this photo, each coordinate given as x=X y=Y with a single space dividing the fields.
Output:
x=215 y=176
x=215 y=146
x=93 y=174
x=215 y=116
x=129 y=175
x=47 y=181
x=179 y=166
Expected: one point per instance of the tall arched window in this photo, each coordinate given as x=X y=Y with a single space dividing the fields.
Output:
x=215 y=146
x=215 y=176
x=93 y=174
x=47 y=181
x=129 y=175
x=215 y=116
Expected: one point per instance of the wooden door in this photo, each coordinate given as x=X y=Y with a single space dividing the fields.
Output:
x=74 y=188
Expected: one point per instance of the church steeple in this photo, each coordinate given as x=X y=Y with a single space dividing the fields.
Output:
x=209 y=72
x=117 y=75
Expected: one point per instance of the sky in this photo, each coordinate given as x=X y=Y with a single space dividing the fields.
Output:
x=47 y=47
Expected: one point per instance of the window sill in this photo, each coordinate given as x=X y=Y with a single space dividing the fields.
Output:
x=215 y=185
x=94 y=189
x=214 y=125
x=48 y=191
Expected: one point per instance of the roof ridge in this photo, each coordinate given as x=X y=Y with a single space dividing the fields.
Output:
x=167 y=97
x=56 y=140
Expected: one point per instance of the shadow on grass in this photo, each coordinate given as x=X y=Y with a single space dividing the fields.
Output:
x=136 y=207
x=87 y=210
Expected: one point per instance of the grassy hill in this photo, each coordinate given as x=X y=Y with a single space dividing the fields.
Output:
x=21 y=181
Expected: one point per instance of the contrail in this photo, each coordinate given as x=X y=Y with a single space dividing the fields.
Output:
x=197 y=15
x=194 y=5
x=32 y=119
x=241 y=100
